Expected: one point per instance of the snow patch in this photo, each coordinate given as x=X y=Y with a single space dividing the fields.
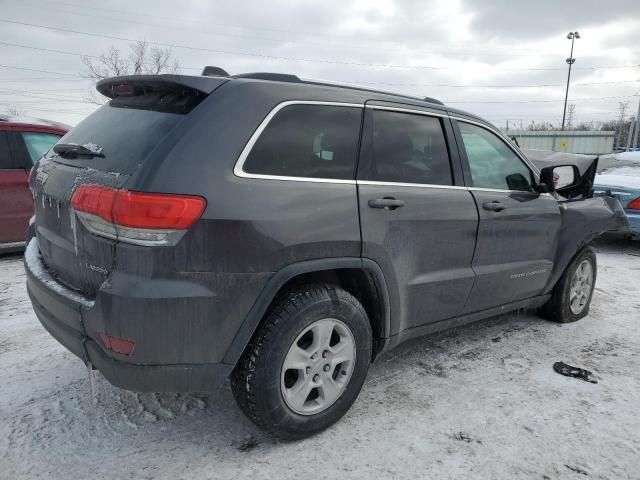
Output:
x=623 y=177
x=462 y=404
x=628 y=156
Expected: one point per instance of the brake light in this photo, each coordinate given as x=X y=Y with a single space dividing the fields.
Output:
x=95 y=200
x=135 y=217
x=152 y=210
x=634 y=204
x=122 y=90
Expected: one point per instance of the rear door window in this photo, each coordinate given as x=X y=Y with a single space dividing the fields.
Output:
x=38 y=143
x=312 y=141
x=408 y=148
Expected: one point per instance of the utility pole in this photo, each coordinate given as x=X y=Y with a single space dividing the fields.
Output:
x=622 y=109
x=571 y=36
x=572 y=111
x=631 y=133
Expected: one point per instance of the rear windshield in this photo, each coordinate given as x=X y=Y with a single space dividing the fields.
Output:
x=126 y=135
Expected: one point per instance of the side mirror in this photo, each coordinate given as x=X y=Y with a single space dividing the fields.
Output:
x=558 y=177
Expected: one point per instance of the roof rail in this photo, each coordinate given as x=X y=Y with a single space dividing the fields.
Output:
x=433 y=100
x=211 y=71
x=276 y=77
x=355 y=86
x=286 y=77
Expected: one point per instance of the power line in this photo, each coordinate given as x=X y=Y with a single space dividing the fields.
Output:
x=31 y=47
x=230 y=52
x=128 y=14
x=202 y=49
x=42 y=79
x=585 y=99
x=45 y=71
x=262 y=38
x=372 y=83
x=544 y=85
x=56 y=96
x=209 y=32
x=48 y=96
x=50 y=50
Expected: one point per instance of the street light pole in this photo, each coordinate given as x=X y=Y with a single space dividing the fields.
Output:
x=571 y=36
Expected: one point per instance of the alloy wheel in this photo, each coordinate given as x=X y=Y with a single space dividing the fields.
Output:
x=318 y=366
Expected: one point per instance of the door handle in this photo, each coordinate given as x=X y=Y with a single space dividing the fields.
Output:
x=494 y=206
x=386 y=203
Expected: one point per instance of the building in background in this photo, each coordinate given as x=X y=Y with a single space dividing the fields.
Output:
x=570 y=141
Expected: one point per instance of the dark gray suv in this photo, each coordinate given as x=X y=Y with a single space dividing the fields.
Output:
x=284 y=233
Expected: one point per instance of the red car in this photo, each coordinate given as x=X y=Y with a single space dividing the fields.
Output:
x=22 y=143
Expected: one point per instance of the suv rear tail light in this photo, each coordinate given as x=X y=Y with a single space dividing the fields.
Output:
x=136 y=217
x=634 y=204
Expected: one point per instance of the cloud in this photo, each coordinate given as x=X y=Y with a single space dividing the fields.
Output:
x=508 y=19
x=461 y=51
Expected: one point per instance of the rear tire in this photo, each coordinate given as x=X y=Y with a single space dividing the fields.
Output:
x=306 y=364
x=571 y=297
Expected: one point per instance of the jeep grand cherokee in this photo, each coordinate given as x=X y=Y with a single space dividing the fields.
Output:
x=284 y=233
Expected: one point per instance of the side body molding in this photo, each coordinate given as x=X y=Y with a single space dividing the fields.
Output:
x=281 y=277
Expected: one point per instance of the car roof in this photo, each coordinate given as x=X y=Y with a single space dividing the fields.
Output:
x=18 y=121
x=350 y=90
x=283 y=87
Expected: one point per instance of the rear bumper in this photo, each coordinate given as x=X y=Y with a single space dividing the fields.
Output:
x=62 y=313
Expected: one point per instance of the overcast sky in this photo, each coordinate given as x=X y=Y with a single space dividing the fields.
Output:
x=501 y=59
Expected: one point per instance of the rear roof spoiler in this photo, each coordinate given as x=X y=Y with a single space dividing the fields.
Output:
x=200 y=84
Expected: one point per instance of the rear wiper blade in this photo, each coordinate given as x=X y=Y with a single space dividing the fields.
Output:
x=73 y=150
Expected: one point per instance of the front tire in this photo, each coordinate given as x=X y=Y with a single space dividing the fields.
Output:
x=571 y=297
x=306 y=364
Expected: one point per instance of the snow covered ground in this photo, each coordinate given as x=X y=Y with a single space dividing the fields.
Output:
x=630 y=156
x=478 y=402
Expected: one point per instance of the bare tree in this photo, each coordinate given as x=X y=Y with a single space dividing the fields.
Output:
x=541 y=126
x=585 y=126
x=14 y=111
x=141 y=60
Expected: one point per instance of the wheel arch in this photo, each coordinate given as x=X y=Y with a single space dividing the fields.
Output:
x=363 y=278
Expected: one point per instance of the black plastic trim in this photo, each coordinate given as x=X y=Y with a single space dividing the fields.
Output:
x=202 y=377
x=255 y=315
x=430 y=328
x=201 y=84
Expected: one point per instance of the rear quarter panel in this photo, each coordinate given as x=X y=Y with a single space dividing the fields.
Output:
x=250 y=229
